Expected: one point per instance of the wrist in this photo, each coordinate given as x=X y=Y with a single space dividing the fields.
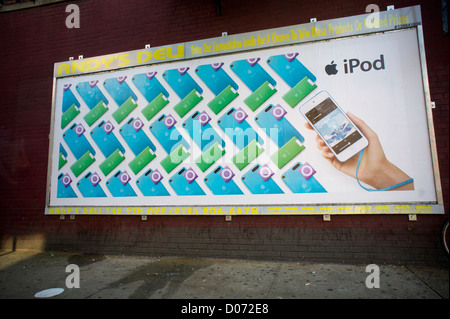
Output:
x=389 y=175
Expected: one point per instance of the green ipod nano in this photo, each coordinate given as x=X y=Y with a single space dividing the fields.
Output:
x=111 y=162
x=84 y=162
x=174 y=159
x=126 y=108
x=188 y=103
x=95 y=113
x=62 y=160
x=222 y=99
x=209 y=157
x=299 y=91
x=287 y=152
x=247 y=154
x=69 y=115
x=155 y=106
x=140 y=161
x=262 y=94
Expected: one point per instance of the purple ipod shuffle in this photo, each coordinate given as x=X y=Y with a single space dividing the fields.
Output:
x=190 y=175
x=226 y=173
x=278 y=112
x=203 y=118
x=307 y=171
x=66 y=180
x=265 y=172
x=291 y=56
x=66 y=87
x=95 y=179
x=182 y=71
x=169 y=121
x=120 y=79
x=137 y=124
x=156 y=176
x=150 y=75
x=108 y=127
x=93 y=83
x=239 y=115
x=253 y=61
x=216 y=66
x=79 y=129
x=124 y=177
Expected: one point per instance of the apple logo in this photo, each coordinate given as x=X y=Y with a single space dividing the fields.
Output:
x=330 y=69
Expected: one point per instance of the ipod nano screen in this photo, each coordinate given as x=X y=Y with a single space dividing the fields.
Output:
x=333 y=126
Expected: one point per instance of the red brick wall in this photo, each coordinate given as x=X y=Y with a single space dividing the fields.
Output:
x=32 y=40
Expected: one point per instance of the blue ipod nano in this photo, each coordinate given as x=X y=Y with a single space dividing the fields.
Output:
x=62 y=150
x=107 y=142
x=119 y=90
x=149 y=86
x=289 y=68
x=279 y=130
x=88 y=188
x=169 y=138
x=215 y=77
x=149 y=187
x=221 y=185
x=90 y=93
x=257 y=185
x=68 y=98
x=136 y=140
x=118 y=188
x=77 y=143
x=64 y=191
x=203 y=135
x=240 y=132
x=181 y=82
x=297 y=183
x=182 y=186
x=251 y=73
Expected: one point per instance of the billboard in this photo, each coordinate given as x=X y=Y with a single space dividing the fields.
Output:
x=215 y=126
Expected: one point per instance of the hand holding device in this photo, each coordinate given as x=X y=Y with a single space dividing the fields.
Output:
x=342 y=137
x=374 y=169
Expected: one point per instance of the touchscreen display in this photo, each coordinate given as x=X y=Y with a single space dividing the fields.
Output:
x=333 y=126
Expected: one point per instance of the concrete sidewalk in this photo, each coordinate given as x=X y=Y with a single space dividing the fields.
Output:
x=23 y=274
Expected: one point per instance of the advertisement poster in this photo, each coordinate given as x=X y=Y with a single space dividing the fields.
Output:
x=228 y=129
